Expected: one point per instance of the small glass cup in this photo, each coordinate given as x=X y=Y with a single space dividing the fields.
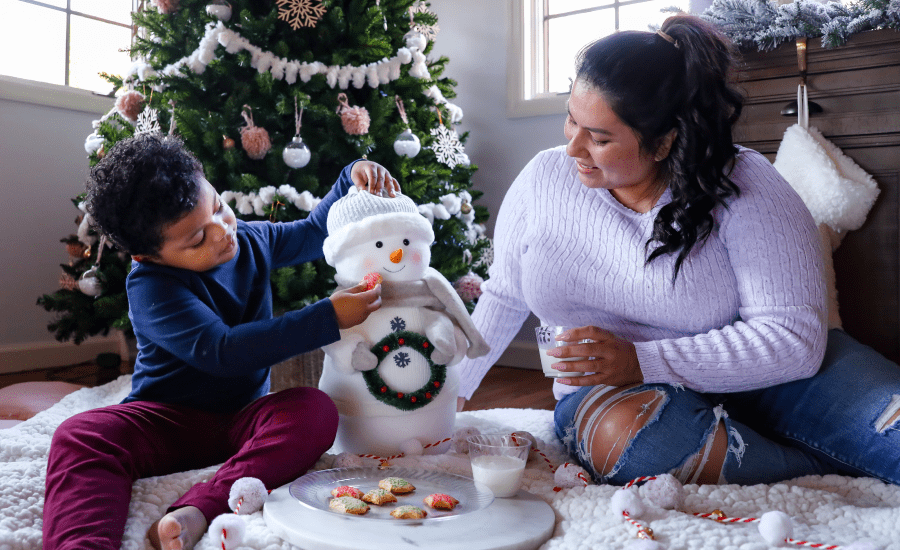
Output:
x=546 y=340
x=498 y=461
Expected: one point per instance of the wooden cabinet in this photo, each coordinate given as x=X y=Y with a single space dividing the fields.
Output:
x=858 y=87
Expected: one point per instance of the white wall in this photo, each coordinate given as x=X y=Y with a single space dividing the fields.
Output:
x=43 y=165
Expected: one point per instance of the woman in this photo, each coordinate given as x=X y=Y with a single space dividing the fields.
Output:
x=695 y=270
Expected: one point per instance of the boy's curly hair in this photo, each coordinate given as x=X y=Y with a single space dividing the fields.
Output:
x=143 y=184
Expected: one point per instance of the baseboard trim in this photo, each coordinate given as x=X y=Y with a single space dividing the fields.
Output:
x=520 y=354
x=45 y=355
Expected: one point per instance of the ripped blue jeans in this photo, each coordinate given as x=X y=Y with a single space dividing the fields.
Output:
x=839 y=421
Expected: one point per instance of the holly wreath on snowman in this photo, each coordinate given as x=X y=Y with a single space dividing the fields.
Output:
x=391 y=377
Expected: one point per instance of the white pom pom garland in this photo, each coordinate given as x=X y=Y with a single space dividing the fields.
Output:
x=460 y=438
x=570 y=475
x=412 y=447
x=776 y=528
x=247 y=495
x=228 y=531
x=665 y=491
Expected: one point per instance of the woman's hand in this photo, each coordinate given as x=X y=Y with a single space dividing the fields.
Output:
x=353 y=305
x=613 y=360
x=374 y=178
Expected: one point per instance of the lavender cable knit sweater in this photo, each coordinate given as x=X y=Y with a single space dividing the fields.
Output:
x=748 y=309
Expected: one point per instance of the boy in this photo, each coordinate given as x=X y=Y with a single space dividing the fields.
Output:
x=201 y=307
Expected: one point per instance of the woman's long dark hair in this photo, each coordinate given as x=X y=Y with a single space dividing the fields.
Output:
x=656 y=86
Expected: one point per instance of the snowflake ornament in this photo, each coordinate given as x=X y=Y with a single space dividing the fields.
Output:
x=300 y=13
x=402 y=359
x=147 y=122
x=428 y=31
x=447 y=147
x=397 y=324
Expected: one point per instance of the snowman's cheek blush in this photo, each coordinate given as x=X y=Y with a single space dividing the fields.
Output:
x=369 y=264
x=416 y=258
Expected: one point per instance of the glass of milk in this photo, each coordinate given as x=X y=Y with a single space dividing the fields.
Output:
x=546 y=340
x=498 y=461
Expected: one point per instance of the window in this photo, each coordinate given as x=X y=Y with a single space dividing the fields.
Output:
x=65 y=42
x=546 y=35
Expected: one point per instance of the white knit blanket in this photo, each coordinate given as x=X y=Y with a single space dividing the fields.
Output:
x=827 y=510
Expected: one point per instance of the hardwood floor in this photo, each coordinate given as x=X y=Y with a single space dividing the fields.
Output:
x=508 y=387
x=503 y=387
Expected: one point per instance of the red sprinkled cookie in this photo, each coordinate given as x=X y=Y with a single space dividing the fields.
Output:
x=440 y=501
x=379 y=497
x=372 y=279
x=396 y=485
x=408 y=511
x=348 y=505
x=346 y=491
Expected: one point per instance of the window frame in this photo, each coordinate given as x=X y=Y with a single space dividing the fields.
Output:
x=522 y=56
x=61 y=96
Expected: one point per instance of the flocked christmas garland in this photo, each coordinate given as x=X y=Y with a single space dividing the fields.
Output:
x=764 y=24
x=405 y=401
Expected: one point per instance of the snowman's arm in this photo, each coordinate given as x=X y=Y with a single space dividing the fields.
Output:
x=351 y=353
x=441 y=331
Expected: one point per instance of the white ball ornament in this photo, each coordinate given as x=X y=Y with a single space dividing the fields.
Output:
x=296 y=154
x=89 y=283
x=460 y=443
x=407 y=144
x=220 y=9
x=348 y=460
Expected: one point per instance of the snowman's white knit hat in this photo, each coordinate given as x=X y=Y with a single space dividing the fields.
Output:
x=359 y=215
x=356 y=205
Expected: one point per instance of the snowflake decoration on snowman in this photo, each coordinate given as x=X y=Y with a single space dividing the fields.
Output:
x=391 y=377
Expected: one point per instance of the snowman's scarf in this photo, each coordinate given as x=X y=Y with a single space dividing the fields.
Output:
x=432 y=291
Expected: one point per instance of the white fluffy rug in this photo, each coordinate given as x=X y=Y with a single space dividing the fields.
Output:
x=830 y=510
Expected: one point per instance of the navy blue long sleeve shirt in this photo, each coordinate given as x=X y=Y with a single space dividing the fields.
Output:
x=207 y=340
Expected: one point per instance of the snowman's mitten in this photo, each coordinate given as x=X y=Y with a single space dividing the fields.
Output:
x=363 y=358
x=343 y=352
x=439 y=330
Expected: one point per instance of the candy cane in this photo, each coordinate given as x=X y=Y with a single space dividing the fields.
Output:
x=719 y=515
x=813 y=544
x=643 y=532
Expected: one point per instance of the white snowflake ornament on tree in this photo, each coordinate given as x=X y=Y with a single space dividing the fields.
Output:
x=447 y=147
x=147 y=122
x=428 y=31
x=300 y=13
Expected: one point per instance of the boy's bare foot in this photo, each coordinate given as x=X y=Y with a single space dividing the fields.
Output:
x=180 y=529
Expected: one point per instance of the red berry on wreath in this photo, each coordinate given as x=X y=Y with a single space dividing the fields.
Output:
x=386 y=348
x=413 y=399
x=383 y=389
x=400 y=395
x=401 y=341
x=428 y=395
x=424 y=344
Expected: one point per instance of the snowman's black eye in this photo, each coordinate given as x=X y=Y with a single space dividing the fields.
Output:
x=405 y=242
x=379 y=244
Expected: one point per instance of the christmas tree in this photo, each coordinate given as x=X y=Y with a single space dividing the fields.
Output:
x=275 y=98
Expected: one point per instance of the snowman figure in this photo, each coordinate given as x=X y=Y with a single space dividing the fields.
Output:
x=390 y=376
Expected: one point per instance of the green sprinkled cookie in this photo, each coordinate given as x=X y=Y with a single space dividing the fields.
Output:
x=396 y=485
x=348 y=505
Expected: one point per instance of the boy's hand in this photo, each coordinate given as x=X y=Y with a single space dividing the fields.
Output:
x=353 y=305
x=374 y=178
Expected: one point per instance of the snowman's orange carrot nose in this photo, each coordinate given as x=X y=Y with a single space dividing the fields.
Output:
x=397 y=255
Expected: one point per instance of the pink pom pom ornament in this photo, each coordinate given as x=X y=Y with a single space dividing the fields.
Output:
x=166 y=6
x=130 y=104
x=354 y=119
x=254 y=140
x=468 y=286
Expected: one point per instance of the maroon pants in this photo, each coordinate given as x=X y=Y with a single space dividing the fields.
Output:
x=95 y=457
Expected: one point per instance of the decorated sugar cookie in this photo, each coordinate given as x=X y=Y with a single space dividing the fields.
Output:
x=391 y=377
x=379 y=497
x=348 y=505
x=440 y=501
x=346 y=491
x=396 y=485
x=408 y=511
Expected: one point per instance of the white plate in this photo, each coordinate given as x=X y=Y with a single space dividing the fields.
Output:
x=314 y=491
